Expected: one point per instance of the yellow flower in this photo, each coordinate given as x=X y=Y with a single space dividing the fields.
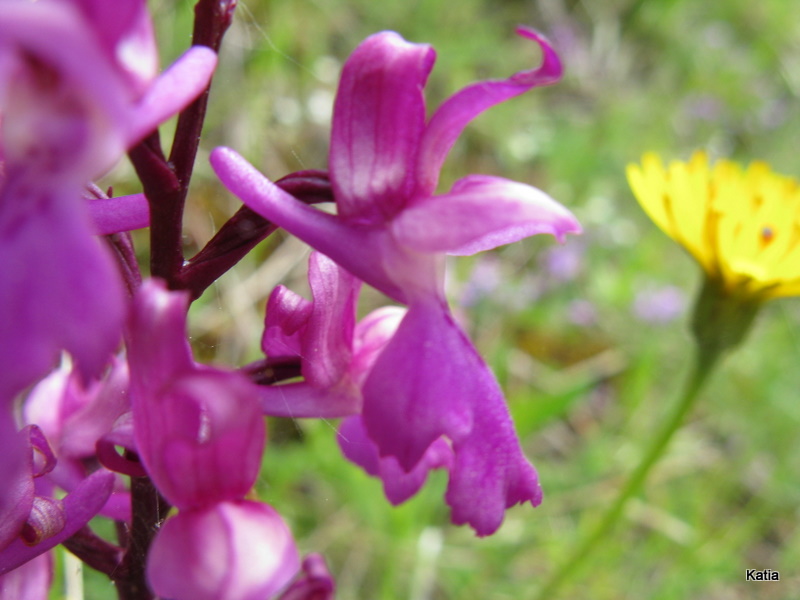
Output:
x=742 y=225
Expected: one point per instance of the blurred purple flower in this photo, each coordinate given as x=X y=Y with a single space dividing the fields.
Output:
x=74 y=416
x=48 y=521
x=79 y=87
x=315 y=583
x=485 y=278
x=582 y=312
x=564 y=263
x=31 y=581
x=33 y=521
x=703 y=107
x=659 y=305
x=226 y=551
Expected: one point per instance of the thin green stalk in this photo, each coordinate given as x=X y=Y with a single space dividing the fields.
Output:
x=703 y=366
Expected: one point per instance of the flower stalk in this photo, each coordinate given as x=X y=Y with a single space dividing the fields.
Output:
x=702 y=369
x=166 y=181
x=720 y=322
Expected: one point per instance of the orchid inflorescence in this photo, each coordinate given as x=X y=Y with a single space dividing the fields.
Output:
x=105 y=409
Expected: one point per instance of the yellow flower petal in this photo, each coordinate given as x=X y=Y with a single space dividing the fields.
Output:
x=742 y=225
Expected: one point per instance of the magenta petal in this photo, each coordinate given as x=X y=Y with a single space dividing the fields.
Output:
x=126 y=32
x=359 y=250
x=228 y=551
x=199 y=431
x=451 y=117
x=371 y=335
x=16 y=495
x=58 y=283
x=287 y=316
x=122 y=434
x=481 y=213
x=201 y=438
x=52 y=400
x=83 y=503
x=74 y=416
x=429 y=382
x=124 y=213
x=335 y=353
x=172 y=91
x=378 y=119
x=30 y=581
x=315 y=582
x=320 y=333
x=490 y=473
x=157 y=344
x=328 y=337
x=59 y=36
x=107 y=401
x=398 y=484
x=422 y=385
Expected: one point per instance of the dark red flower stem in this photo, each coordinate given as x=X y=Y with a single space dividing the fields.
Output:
x=166 y=182
x=121 y=245
x=268 y=371
x=149 y=510
x=211 y=20
x=245 y=229
x=94 y=551
x=162 y=190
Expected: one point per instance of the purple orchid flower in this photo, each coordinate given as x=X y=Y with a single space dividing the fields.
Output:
x=200 y=433
x=79 y=87
x=33 y=521
x=336 y=353
x=199 y=430
x=393 y=232
x=398 y=484
x=227 y=551
x=337 y=360
x=74 y=416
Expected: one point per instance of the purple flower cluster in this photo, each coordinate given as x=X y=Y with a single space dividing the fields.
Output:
x=104 y=409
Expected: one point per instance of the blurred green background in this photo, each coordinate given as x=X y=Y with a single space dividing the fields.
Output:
x=588 y=339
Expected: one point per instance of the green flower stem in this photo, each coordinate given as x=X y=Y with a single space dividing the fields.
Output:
x=721 y=320
x=703 y=366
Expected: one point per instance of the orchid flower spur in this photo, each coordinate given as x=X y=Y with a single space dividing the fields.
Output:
x=393 y=232
x=200 y=434
x=79 y=87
